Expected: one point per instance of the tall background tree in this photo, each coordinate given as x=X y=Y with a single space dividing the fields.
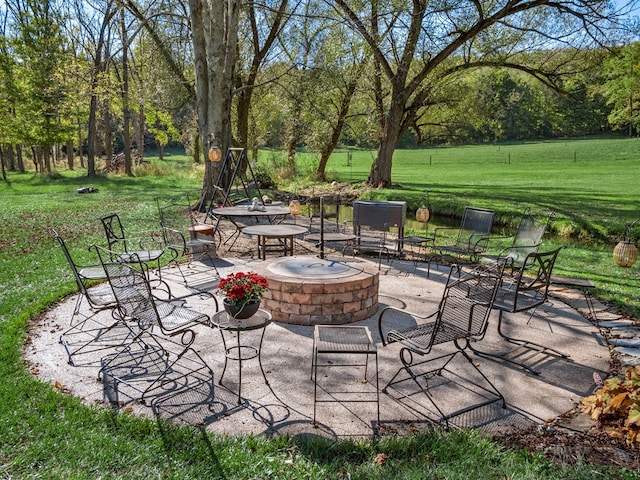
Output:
x=417 y=44
x=39 y=48
x=622 y=88
x=214 y=25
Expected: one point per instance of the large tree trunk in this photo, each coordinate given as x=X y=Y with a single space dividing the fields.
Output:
x=380 y=174
x=19 y=158
x=126 y=134
x=70 y=158
x=98 y=68
x=46 y=159
x=343 y=111
x=214 y=25
x=10 y=157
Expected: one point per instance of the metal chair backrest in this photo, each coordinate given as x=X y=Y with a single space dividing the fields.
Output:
x=465 y=306
x=462 y=314
x=93 y=273
x=330 y=205
x=175 y=212
x=132 y=291
x=527 y=239
x=72 y=264
x=136 y=301
x=175 y=220
x=114 y=231
x=529 y=287
x=476 y=223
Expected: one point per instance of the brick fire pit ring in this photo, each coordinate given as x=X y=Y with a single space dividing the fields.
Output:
x=307 y=290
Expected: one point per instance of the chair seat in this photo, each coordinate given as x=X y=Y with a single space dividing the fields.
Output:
x=173 y=316
x=512 y=301
x=420 y=337
x=199 y=246
x=102 y=296
x=143 y=256
x=93 y=273
x=456 y=249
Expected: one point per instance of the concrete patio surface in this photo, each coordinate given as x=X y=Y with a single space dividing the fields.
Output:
x=285 y=405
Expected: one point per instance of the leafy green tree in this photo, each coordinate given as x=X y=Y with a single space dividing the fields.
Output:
x=416 y=45
x=161 y=127
x=622 y=88
x=39 y=48
x=11 y=93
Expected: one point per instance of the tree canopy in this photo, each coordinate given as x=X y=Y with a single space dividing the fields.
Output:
x=314 y=73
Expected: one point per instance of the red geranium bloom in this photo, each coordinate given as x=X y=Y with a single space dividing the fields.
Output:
x=242 y=287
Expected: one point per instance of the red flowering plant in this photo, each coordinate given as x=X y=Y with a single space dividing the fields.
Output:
x=242 y=287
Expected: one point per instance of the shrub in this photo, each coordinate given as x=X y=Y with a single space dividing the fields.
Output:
x=616 y=406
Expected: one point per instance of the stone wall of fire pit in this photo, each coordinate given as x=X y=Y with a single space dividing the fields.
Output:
x=302 y=298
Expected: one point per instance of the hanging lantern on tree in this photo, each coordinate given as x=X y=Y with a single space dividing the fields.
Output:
x=215 y=154
x=625 y=252
x=294 y=207
x=423 y=214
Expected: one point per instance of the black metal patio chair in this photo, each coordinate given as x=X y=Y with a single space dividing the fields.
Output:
x=145 y=248
x=90 y=334
x=430 y=343
x=183 y=244
x=469 y=242
x=157 y=356
x=527 y=239
x=525 y=291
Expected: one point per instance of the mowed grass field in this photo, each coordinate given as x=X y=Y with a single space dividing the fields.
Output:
x=594 y=184
x=44 y=433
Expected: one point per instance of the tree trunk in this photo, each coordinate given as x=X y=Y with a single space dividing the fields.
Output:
x=70 y=159
x=293 y=133
x=337 y=128
x=141 y=132
x=10 y=159
x=214 y=26
x=380 y=174
x=19 y=158
x=4 y=172
x=80 y=145
x=98 y=68
x=126 y=134
x=46 y=159
x=630 y=116
x=92 y=131
x=196 y=149
x=268 y=35
x=108 y=134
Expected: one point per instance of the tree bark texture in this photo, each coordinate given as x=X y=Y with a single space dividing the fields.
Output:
x=214 y=25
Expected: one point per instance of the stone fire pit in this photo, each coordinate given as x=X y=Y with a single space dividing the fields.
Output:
x=307 y=290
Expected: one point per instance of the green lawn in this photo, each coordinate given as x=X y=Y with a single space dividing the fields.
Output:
x=47 y=434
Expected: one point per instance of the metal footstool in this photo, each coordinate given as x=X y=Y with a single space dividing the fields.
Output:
x=345 y=341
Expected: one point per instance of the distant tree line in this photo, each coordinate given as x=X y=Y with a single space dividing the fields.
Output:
x=84 y=80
